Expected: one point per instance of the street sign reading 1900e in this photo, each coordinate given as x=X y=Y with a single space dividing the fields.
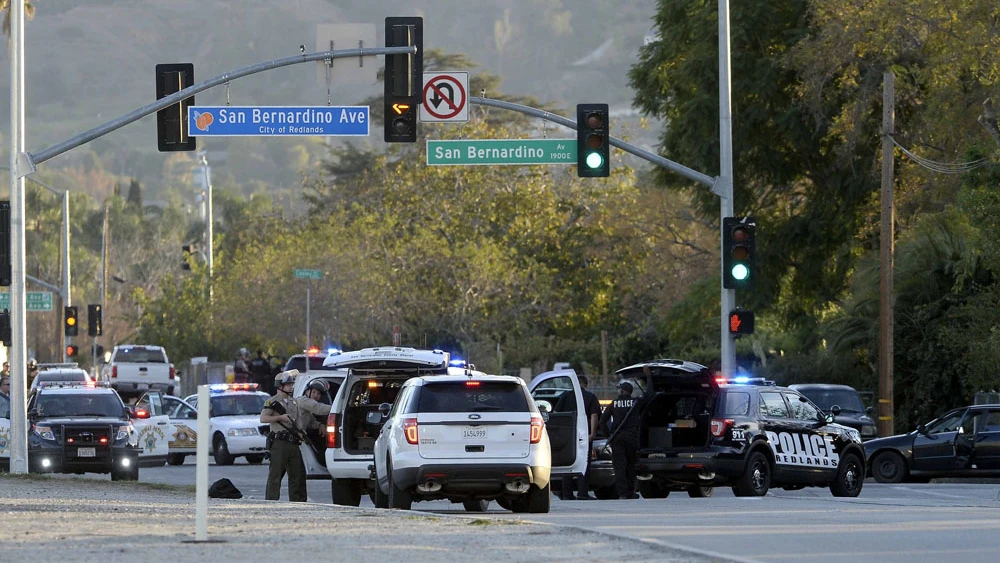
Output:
x=501 y=151
x=279 y=121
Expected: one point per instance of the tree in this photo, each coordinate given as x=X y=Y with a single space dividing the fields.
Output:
x=5 y=7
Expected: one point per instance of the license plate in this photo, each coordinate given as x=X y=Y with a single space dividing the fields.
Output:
x=142 y=386
x=86 y=452
x=474 y=433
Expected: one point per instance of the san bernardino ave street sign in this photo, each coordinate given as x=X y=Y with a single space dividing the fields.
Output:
x=468 y=152
x=277 y=121
x=34 y=301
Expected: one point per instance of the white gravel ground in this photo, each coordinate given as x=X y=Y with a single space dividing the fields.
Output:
x=69 y=520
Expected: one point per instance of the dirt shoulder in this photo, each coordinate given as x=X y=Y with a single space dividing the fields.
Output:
x=68 y=520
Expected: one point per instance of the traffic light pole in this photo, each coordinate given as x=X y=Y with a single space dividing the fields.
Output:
x=725 y=192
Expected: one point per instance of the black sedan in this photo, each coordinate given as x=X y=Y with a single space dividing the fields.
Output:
x=964 y=442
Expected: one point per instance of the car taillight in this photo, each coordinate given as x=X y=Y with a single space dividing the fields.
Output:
x=114 y=371
x=537 y=426
x=173 y=372
x=472 y=383
x=410 y=430
x=331 y=431
x=719 y=426
x=103 y=440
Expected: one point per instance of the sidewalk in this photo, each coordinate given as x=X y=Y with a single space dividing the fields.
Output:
x=69 y=520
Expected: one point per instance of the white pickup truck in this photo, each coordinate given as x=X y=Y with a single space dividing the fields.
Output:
x=135 y=369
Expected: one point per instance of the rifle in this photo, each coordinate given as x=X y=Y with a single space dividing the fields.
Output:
x=295 y=430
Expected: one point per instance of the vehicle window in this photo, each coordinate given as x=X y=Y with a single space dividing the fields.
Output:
x=316 y=363
x=235 y=405
x=374 y=392
x=296 y=362
x=773 y=406
x=401 y=401
x=550 y=390
x=972 y=423
x=735 y=404
x=139 y=356
x=801 y=410
x=472 y=396
x=947 y=424
x=80 y=376
x=55 y=405
x=846 y=399
x=992 y=422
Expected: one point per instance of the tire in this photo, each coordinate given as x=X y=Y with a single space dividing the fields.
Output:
x=650 y=489
x=346 y=492
x=380 y=499
x=255 y=459
x=697 y=491
x=175 y=459
x=850 y=477
x=504 y=503
x=130 y=474
x=889 y=467
x=606 y=493
x=221 y=451
x=481 y=505
x=535 y=501
x=398 y=498
x=756 y=480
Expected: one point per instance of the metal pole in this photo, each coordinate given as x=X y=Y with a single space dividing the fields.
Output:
x=209 y=219
x=18 y=352
x=67 y=298
x=104 y=263
x=886 y=251
x=308 y=320
x=201 y=470
x=728 y=296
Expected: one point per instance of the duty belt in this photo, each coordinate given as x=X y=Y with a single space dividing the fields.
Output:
x=286 y=436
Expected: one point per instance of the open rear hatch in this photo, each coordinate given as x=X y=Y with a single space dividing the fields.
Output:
x=679 y=416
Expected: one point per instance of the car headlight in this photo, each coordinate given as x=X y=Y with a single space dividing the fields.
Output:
x=868 y=430
x=44 y=432
x=123 y=432
x=242 y=432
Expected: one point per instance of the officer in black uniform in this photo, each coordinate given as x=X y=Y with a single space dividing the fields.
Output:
x=624 y=414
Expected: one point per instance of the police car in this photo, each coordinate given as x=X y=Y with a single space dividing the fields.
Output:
x=698 y=430
x=235 y=428
x=183 y=437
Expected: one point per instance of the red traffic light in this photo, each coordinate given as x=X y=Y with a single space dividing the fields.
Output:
x=741 y=322
x=71 y=350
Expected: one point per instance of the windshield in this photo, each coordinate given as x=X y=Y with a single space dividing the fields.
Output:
x=234 y=405
x=846 y=399
x=460 y=397
x=140 y=356
x=79 y=405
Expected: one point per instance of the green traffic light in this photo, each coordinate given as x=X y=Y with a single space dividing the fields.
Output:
x=740 y=272
x=595 y=160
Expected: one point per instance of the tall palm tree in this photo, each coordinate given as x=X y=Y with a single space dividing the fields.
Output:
x=29 y=12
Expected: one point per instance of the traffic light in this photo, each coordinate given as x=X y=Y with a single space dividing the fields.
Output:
x=98 y=352
x=5 y=272
x=94 y=325
x=5 y=327
x=740 y=322
x=592 y=141
x=71 y=350
x=172 y=121
x=739 y=257
x=70 y=321
x=403 y=79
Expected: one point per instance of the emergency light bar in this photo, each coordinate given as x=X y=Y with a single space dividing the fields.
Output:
x=744 y=380
x=72 y=384
x=221 y=387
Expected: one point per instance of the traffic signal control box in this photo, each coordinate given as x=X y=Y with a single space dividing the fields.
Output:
x=403 y=79
x=593 y=139
x=171 y=121
x=739 y=252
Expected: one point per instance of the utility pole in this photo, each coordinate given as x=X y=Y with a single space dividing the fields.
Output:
x=886 y=251
x=208 y=219
x=67 y=298
x=104 y=262
x=725 y=184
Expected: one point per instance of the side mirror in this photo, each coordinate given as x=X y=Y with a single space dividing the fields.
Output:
x=543 y=406
x=384 y=409
x=921 y=429
x=374 y=417
x=870 y=411
x=835 y=409
x=193 y=414
x=32 y=413
x=828 y=419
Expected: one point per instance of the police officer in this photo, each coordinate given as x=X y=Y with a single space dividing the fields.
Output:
x=624 y=414
x=288 y=418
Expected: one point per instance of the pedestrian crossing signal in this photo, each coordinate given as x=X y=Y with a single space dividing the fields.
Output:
x=741 y=322
x=71 y=350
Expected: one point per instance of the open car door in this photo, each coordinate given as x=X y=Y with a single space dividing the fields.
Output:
x=4 y=433
x=153 y=428
x=565 y=421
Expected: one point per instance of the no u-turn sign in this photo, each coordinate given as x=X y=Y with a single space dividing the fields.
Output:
x=445 y=97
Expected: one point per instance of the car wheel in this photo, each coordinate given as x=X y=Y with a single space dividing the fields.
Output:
x=221 y=450
x=380 y=499
x=697 y=491
x=538 y=501
x=175 y=459
x=850 y=477
x=756 y=481
x=889 y=467
x=505 y=503
x=346 y=492
x=398 y=498
x=255 y=459
x=651 y=489
x=606 y=493
x=481 y=505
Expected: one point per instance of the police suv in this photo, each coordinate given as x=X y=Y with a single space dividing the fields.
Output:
x=235 y=428
x=698 y=430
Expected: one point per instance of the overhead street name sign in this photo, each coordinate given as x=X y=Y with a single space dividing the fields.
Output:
x=468 y=152
x=277 y=121
x=33 y=300
x=309 y=274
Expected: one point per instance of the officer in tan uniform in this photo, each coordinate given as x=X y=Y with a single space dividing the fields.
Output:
x=288 y=418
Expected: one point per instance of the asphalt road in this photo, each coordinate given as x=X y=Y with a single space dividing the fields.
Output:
x=888 y=523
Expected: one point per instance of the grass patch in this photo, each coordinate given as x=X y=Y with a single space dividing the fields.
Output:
x=481 y=522
x=45 y=478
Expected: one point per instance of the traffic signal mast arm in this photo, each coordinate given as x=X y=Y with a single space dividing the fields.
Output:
x=29 y=161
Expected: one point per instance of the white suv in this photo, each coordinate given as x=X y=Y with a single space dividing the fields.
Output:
x=467 y=438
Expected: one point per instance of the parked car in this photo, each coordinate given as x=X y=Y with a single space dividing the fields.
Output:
x=64 y=373
x=964 y=442
x=852 y=412
x=133 y=370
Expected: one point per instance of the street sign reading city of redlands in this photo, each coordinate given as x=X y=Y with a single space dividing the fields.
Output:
x=277 y=121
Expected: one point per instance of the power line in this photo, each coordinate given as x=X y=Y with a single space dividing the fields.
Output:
x=943 y=167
